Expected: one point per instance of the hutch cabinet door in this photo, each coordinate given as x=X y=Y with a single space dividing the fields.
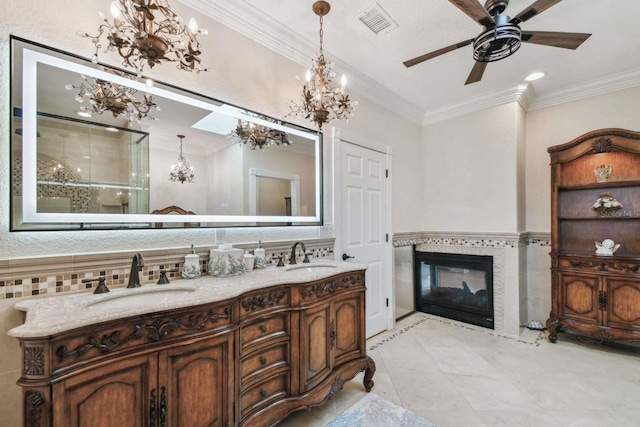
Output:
x=117 y=394
x=316 y=327
x=623 y=303
x=579 y=297
x=196 y=383
x=349 y=340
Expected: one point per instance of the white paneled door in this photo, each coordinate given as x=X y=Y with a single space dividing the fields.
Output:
x=363 y=221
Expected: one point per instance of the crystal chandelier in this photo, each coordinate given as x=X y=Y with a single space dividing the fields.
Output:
x=181 y=172
x=254 y=135
x=148 y=31
x=119 y=100
x=321 y=101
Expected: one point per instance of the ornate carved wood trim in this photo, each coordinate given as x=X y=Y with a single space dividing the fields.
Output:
x=331 y=286
x=606 y=133
x=157 y=331
x=368 y=374
x=262 y=300
x=601 y=145
x=33 y=407
x=33 y=360
x=606 y=266
x=336 y=386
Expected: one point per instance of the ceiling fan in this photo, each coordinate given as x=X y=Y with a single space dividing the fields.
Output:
x=502 y=35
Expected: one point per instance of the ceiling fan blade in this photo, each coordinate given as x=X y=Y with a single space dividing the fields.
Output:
x=476 y=72
x=555 y=39
x=537 y=7
x=474 y=10
x=426 y=56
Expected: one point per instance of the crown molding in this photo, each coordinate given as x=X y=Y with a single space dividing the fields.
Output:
x=525 y=95
x=612 y=83
x=522 y=93
x=248 y=21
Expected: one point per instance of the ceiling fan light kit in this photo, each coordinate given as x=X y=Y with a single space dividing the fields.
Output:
x=502 y=35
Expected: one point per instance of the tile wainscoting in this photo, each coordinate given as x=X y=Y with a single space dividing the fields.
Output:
x=26 y=277
x=510 y=293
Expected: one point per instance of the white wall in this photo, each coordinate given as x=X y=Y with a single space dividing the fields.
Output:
x=470 y=172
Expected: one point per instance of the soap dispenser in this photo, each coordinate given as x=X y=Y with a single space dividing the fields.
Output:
x=191 y=266
x=260 y=258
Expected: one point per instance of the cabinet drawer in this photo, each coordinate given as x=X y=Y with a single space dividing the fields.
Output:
x=263 y=360
x=262 y=394
x=259 y=302
x=263 y=330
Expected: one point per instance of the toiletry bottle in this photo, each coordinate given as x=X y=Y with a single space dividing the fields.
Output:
x=260 y=260
x=191 y=267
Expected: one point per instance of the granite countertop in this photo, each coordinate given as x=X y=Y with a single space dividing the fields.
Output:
x=51 y=315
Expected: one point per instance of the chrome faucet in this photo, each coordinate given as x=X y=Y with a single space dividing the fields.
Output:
x=136 y=264
x=292 y=258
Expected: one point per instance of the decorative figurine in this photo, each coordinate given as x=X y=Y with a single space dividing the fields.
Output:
x=607 y=247
x=603 y=172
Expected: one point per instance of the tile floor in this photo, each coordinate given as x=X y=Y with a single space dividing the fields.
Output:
x=455 y=374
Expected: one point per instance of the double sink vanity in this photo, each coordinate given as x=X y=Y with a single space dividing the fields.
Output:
x=217 y=351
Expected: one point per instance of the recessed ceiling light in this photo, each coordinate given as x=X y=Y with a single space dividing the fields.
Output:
x=534 y=76
x=111 y=129
x=84 y=113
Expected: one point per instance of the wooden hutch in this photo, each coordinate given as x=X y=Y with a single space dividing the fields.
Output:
x=596 y=294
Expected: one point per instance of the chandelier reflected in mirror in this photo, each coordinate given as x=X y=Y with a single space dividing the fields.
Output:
x=254 y=135
x=118 y=100
x=321 y=101
x=149 y=32
x=181 y=172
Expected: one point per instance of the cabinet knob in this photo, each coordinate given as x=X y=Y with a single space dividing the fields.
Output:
x=263 y=361
x=263 y=328
x=263 y=393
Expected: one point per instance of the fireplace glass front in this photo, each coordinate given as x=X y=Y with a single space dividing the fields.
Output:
x=455 y=286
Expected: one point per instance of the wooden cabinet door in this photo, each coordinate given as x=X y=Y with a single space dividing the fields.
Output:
x=622 y=308
x=349 y=341
x=196 y=383
x=579 y=297
x=316 y=326
x=115 y=395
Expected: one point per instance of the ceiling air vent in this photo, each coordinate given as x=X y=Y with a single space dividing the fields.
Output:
x=377 y=20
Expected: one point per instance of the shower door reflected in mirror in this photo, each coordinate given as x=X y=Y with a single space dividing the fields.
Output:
x=84 y=168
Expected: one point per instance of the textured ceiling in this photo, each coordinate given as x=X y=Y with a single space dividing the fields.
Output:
x=608 y=60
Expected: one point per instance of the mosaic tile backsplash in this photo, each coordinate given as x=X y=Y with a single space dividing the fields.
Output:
x=52 y=275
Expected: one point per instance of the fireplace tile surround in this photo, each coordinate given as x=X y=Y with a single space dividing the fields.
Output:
x=509 y=270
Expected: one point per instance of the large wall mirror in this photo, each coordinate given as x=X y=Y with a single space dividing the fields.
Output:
x=93 y=147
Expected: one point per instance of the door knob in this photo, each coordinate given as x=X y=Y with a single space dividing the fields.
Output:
x=346 y=257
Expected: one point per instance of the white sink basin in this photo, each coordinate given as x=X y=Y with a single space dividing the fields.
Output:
x=140 y=298
x=311 y=268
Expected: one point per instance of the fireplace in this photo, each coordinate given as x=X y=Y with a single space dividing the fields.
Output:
x=455 y=286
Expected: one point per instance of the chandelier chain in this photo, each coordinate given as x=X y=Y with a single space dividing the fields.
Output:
x=321 y=35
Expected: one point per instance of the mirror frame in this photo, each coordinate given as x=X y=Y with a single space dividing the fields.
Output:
x=31 y=59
